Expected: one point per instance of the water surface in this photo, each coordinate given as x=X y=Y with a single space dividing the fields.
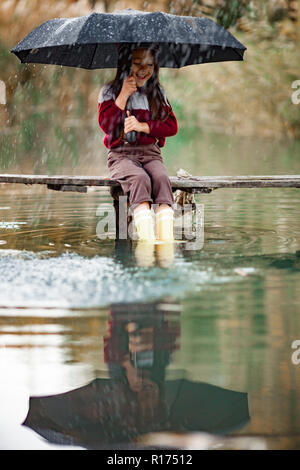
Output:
x=210 y=329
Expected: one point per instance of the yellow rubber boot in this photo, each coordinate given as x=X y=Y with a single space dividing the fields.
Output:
x=144 y=224
x=165 y=224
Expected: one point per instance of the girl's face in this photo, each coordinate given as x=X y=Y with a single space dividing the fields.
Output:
x=142 y=66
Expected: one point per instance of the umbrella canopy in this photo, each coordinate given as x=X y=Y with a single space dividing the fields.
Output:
x=106 y=412
x=89 y=41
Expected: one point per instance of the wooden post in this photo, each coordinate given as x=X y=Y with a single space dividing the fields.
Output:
x=123 y=219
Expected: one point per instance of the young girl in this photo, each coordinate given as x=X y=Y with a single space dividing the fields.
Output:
x=138 y=165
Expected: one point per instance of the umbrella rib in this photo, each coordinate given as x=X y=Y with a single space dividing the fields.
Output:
x=96 y=45
x=238 y=53
x=176 y=61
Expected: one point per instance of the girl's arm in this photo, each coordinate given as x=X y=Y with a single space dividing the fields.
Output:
x=110 y=116
x=161 y=129
x=112 y=111
x=165 y=128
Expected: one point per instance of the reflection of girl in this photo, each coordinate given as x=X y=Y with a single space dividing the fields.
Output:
x=137 y=350
x=138 y=166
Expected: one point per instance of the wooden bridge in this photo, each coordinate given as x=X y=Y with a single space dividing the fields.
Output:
x=192 y=184
x=188 y=185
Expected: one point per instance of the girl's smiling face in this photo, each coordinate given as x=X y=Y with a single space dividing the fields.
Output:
x=142 y=66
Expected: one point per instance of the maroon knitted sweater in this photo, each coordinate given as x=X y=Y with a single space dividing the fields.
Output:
x=111 y=119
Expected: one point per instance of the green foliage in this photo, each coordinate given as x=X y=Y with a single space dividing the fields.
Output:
x=53 y=160
x=100 y=77
x=178 y=109
x=30 y=129
x=27 y=133
x=64 y=149
x=290 y=115
x=229 y=11
x=72 y=141
x=55 y=76
x=6 y=154
x=35 y=94
x=80 y=103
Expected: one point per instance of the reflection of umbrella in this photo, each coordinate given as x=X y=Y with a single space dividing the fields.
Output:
x=90 y=41
x=197 y=406
x=106 y=411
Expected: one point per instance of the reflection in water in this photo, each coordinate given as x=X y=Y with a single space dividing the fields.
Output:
x=136 y=398
x=145 y=254
x=239 y=299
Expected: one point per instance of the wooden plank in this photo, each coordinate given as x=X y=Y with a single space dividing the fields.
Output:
x=195 y=183
x=45 y=179
x=68 y=187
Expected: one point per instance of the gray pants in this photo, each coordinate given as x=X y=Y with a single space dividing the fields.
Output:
x=141 y=173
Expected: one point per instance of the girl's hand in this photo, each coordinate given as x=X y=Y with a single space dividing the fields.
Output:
x=132 y=124
x=128 y=87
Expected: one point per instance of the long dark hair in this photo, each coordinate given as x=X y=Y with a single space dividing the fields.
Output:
x=159 y=109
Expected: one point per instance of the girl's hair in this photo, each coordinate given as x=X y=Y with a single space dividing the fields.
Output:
x=159 y=109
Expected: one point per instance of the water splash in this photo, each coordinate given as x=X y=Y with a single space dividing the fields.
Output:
x=73 y=281
x=11 y=225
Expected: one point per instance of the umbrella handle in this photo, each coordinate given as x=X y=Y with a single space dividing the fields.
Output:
x=130 y=136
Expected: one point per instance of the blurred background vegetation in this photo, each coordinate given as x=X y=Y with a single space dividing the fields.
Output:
x=250 y=98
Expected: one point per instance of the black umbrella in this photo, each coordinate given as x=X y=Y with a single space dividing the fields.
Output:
x=106 y=412
x=90 y=41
